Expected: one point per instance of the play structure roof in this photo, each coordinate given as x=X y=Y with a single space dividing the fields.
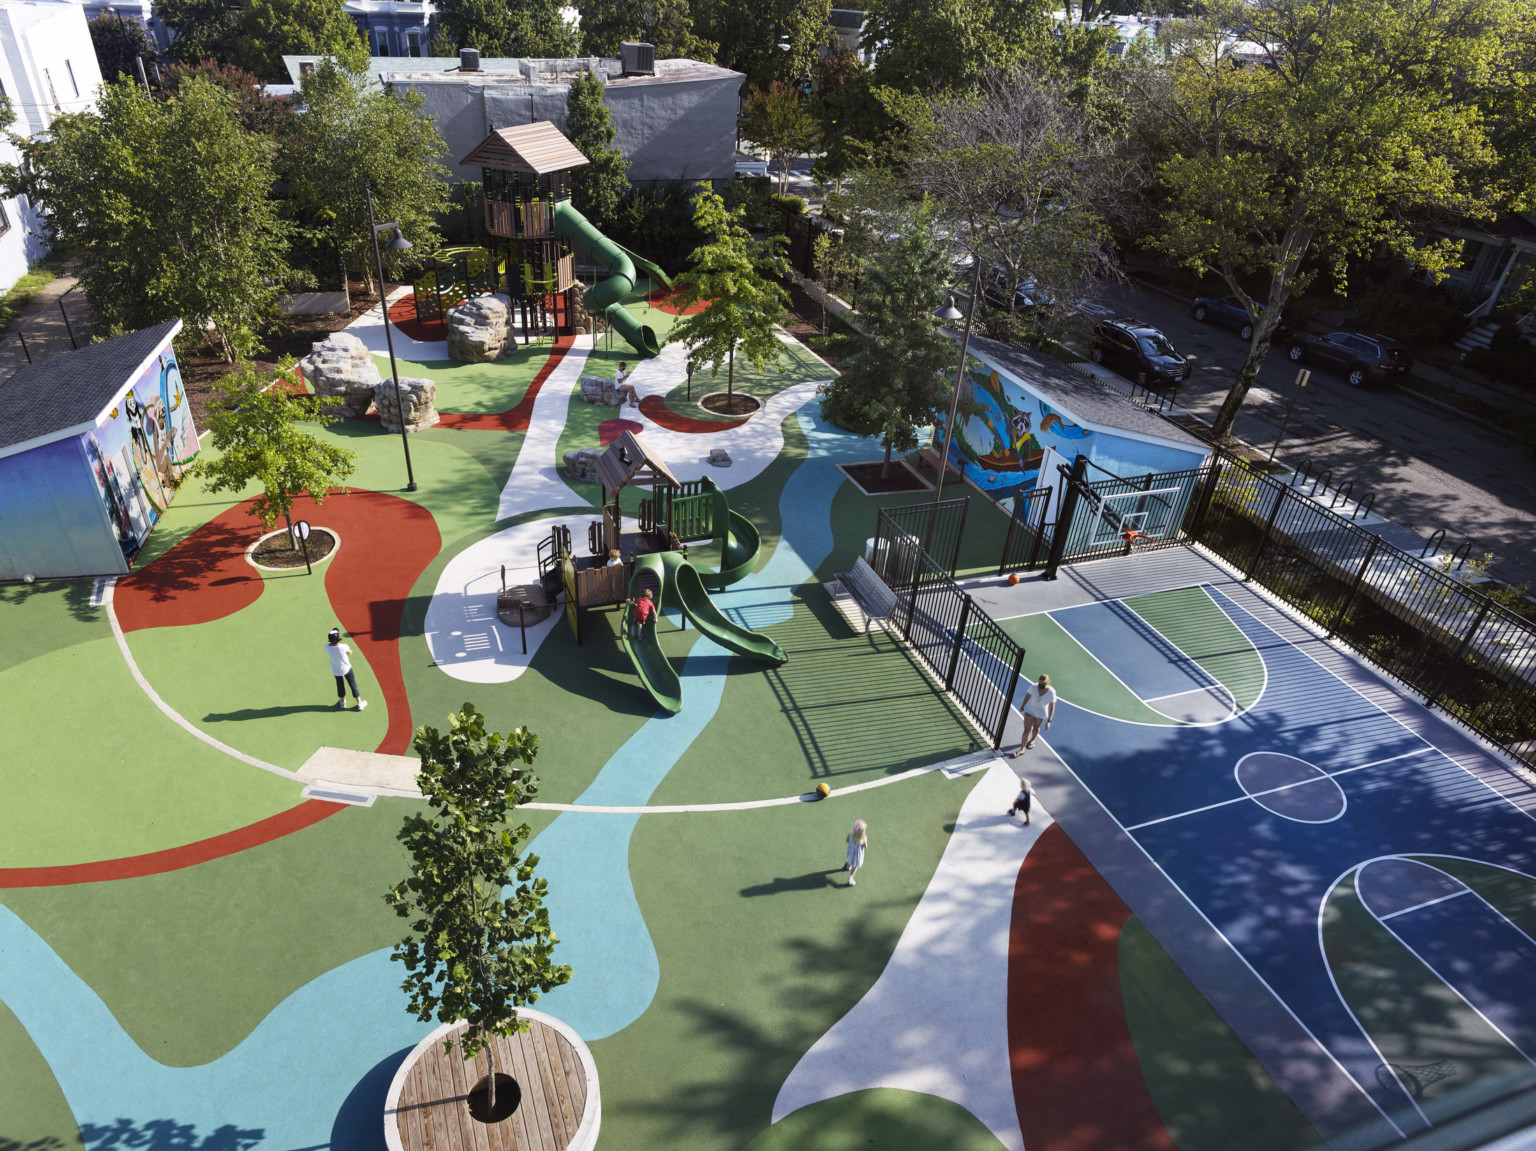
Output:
x=534 y=149
x=68 y=393
x=1081 y=398
x=626 y=458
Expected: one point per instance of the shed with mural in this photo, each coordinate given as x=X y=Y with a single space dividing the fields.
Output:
x=1024 y=413
x=92 y=445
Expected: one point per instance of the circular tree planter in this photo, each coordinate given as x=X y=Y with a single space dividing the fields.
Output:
x=546 y=1094
x=738 y=405
x=316 y=556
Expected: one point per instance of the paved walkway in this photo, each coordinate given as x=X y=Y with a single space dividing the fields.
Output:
x=44 y=329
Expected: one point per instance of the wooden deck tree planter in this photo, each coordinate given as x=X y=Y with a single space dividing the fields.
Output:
x=427 y=1108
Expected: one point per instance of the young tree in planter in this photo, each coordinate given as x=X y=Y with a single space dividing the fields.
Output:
x=599 y=186
x=731 y=275
x=776 y=121
x=896 y=381
x=480 y=941
x=256 y=434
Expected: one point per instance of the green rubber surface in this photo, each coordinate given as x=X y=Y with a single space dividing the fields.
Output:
x=1190 y=620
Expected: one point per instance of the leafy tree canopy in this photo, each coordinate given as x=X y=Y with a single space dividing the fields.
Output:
x=854 y=127
x=255 y=431
x=272 y=29
x=505 y=28
x=776 y=120
x=352 y=134
x=732 y=274
x=598 y=187
x=205 y=29
x=1347 y=142
x=480 y=944
x=169 y=207
x=118 y=42
x=766 y=39
x=258 y=111
x=952 y=45
x=894 y=382
x=668 y=24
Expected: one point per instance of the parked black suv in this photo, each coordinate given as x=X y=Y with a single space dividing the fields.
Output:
x=1139 y=352
x=1360 y=357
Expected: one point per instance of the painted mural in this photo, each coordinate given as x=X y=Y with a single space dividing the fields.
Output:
x=1004 y=430
x=139 y=450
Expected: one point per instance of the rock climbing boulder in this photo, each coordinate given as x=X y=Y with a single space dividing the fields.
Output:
x=480 y=330
x=417 y=396
x=341 y=370
x=600 y=390
x=581 y=464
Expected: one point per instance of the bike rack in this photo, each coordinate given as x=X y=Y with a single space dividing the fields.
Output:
x=1342 y=493
x=1364 y=510
x=1300 y=477
x=1462 y=554
x=1323 y=479
x=1435 y=541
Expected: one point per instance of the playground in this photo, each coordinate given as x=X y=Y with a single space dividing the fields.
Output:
x=1265 y=899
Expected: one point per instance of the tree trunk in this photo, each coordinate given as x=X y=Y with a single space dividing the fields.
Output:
x=346 y=285
x=885 y=468
x=293 y=540
x=730 y=373
x=1292 y=248
x=490 y=1091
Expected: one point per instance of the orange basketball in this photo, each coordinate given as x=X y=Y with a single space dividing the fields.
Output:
x=1013 y=578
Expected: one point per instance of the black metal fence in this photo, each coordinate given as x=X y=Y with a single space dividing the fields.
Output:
x=902 y=532
x=1413 y=618
x=1028 y=539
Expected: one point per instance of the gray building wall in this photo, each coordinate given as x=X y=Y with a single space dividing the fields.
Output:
x=680 y=125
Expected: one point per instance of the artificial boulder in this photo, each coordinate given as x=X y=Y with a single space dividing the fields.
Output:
x=341 y=371
x=600 y=390
x=480 y=330
x=582 y=321
x=720 y=457
x=581 y=464
x=417 y=396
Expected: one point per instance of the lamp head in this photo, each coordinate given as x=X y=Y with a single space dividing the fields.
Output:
x=398 y=243
x=948 y=312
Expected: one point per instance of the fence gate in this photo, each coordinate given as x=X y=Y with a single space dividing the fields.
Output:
x=902 y=532
x=1028 y=539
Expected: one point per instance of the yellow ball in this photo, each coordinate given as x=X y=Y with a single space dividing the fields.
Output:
x=823 y=790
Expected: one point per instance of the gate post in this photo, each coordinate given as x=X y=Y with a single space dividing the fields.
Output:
x=1203 y=502
x=1466 y=641
x=954 y=655
x=1013 y=686
x=1269 y=527
x=1064 y=517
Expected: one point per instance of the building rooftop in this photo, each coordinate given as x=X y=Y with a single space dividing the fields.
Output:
x=502 y=71
x=1085 y=400
x=70 y=391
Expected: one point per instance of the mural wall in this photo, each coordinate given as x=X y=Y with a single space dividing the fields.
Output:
x=1002 y=443
x=139 y=450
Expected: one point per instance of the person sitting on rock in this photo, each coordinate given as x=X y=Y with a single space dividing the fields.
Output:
x=625 y=391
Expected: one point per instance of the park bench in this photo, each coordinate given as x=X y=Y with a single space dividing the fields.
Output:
x=868 y=590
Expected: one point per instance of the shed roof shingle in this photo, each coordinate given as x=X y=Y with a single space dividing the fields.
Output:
x=67 y=390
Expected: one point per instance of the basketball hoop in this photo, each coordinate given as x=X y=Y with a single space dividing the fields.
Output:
x=1138 y=543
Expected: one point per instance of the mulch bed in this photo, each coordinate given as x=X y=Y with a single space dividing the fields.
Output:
x=901 y=479
x=274 y=552
x=803 y=321
x=723 y=404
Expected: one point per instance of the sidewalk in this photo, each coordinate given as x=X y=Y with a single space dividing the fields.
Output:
x=43 y=328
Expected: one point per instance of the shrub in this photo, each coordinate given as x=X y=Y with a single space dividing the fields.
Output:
x=1505 y=338
x=1416 y=318
x=1517 y=367
x=794 y=205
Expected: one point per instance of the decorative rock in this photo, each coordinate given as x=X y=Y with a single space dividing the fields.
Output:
x=581 y=464
x=720 y=457
x=600 y=390
x=581 y=320
x=341 y=370
x=480 y=330
x=419 y=398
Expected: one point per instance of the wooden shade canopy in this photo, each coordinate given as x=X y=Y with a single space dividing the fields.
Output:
x=535 y=149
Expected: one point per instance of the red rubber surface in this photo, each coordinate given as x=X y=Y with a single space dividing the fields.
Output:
x=662 y=300
x=1076 y=1081
x=201 y=579
x=655 y=409
x=306 y=814
x=610 y=430
x=513 y=419
x=402 y=313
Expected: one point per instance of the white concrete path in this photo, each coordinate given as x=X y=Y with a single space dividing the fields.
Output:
x=537 y=482
x=936 y=1021
x=369 y=327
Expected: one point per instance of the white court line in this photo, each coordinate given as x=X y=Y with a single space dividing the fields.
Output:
x=108 y=591
x=1373 y=704
x=1282 y=787
x=1241 y=958
x=1416 y=906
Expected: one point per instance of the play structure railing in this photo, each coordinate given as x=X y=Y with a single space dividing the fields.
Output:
x=689 y=509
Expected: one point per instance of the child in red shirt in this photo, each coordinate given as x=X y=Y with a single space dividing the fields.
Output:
x=645 y=608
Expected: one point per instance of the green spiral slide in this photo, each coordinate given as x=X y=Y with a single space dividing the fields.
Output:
x=607 y=296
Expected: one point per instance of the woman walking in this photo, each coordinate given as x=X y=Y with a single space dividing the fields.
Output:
x=1039 y=707
x=858 y=840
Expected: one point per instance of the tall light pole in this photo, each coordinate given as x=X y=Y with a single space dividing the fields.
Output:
x=949 y=313
x=398 y=244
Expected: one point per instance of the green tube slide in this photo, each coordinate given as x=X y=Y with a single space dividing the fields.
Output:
x=651 y=665
x=687 y=591
x=608 y=296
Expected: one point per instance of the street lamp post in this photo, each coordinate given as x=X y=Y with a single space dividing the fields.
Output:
x=949 y=313
x=398 y=244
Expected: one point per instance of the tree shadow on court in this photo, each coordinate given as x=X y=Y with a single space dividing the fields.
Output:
x=76 y=594
x=168 y=1135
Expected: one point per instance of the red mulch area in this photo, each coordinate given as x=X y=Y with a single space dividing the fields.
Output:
x=661 y=299
x=610 y=430
x=1076 y=1081
x=655 y=409
x=201 y=579
x=306 y=814
x=513 y=419
x=402 y=313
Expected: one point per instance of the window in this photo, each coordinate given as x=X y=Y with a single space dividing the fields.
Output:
x=72 y=84
x=307 y=68
x=381 y=42
x=413 y=43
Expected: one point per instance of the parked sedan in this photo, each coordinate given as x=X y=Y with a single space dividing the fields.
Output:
x=1360 y=357
x=1139 y=352
x=1229 y=312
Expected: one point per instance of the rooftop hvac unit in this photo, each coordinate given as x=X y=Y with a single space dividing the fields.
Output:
x=637 y=59
x=469 y=60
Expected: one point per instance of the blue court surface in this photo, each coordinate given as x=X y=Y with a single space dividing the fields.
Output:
x=1266 y=819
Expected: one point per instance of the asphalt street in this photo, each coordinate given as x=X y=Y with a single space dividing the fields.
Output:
x=1428 y=468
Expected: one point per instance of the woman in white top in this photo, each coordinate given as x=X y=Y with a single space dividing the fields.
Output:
x=858 y=840
x=1039 y=707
